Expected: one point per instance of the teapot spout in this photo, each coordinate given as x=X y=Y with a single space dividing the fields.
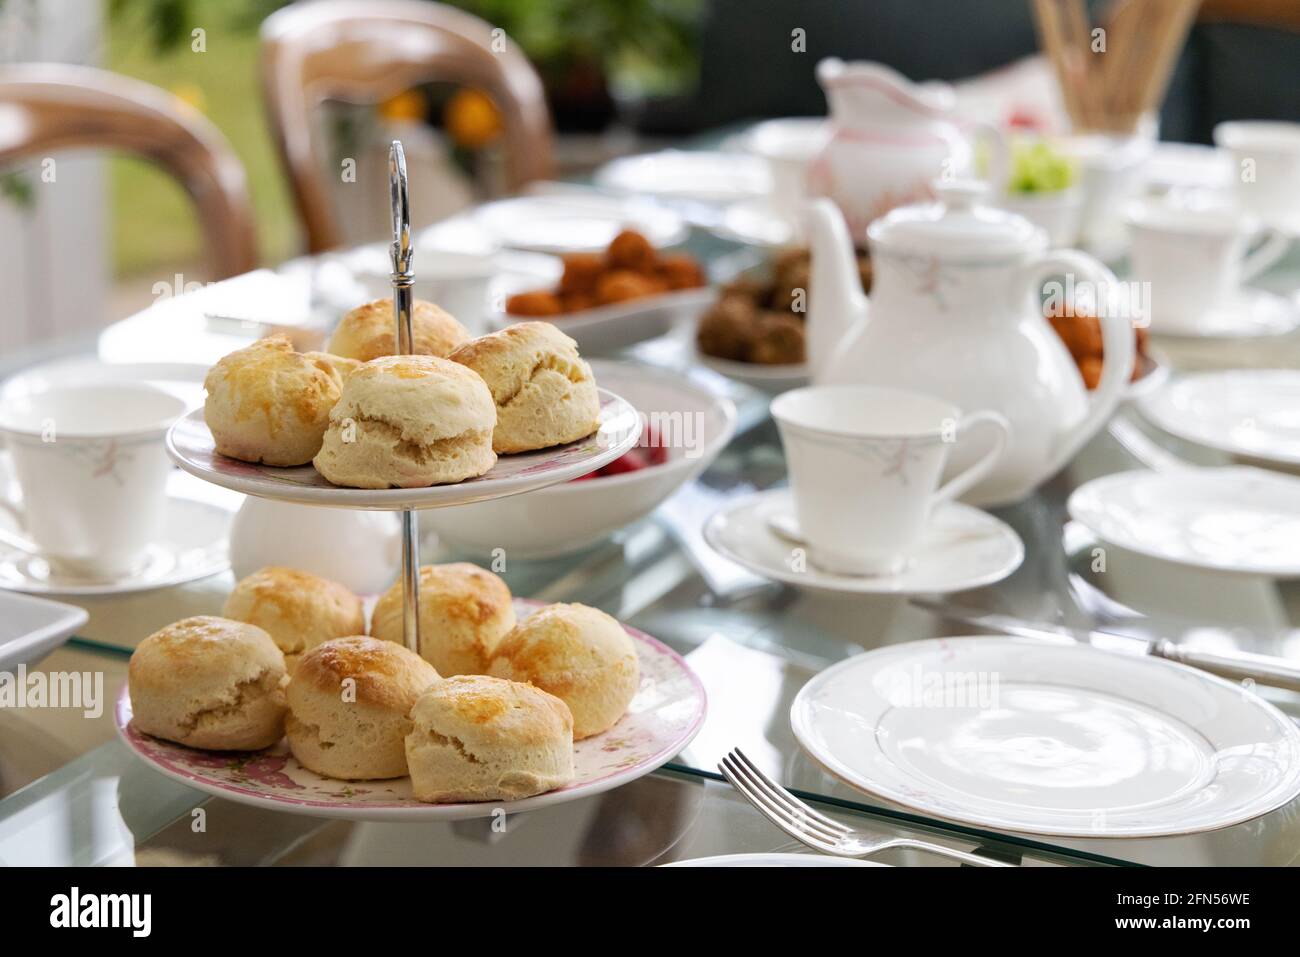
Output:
x=836 y=303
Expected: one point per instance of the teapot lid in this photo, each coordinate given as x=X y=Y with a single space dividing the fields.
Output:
x=957 y=225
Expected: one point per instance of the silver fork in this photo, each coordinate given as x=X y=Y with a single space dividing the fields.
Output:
x=821 y=833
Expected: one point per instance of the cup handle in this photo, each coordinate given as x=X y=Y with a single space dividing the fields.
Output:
x=14 y=539
x=1268 y=252
x=962 y=482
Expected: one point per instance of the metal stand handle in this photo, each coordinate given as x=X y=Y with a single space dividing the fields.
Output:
x=403 y=280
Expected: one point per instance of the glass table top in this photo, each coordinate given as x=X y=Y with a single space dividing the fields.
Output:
x=754 y=645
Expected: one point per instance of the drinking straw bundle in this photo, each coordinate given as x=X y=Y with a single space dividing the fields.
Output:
x=1109 y=82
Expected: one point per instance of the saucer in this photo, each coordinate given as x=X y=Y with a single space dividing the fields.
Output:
x=1237 y=520
x=961 y=548
x=196 y=546
x=1253 y=413
x=1252 y=313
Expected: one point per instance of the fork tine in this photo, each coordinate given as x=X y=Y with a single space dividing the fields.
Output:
x=790 y=798
x=789 y=814
x=794 y=807
x=774 y=814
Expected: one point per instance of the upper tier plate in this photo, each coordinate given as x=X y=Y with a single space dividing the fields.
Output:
x=190 y=445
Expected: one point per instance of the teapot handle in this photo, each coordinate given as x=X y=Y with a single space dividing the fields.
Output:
x=1117 y=340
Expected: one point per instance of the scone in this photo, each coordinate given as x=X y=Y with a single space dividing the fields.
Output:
x=476 y=738
x=544 y=392
x=579 y=654
x=370 y=331
x=464 y=611
x=267 y=403
x=297 y=609
x=211 y=683
x=409 y=422
x=349 y=706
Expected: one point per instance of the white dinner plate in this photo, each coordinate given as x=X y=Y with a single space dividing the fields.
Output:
x=662 y=719
x=571 y=222
x=773 y=860
x=961 y=548
x=1240 y=520
x=189 y=443
x=687 y=174
x=758 y=222
x=1254 y=413
x=30 y=628
x=606 y=329
x=1024 y=735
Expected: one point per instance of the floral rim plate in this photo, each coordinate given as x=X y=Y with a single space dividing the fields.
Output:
x=664 y=716
x=1019 y=734
x=189 y=443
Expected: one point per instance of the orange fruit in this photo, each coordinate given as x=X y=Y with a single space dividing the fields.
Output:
x=472 y=119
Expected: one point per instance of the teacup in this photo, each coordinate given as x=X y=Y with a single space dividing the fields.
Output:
x=91 y=467
x=1265 y=167
x=1196 y=258
x=865 y=465
x=1110 y=173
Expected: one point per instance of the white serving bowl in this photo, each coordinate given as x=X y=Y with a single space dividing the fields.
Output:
x=575 y=515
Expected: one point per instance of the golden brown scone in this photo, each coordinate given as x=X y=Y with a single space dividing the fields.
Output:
x=339 y=367
x=539 y=302
x=581 y=270
x=631 y=250
x=297 y=609
x=267 y=403
x=623 y=285
x=409 y=422
x=476 y=738
x=370 y=331
x=349 y=706
x=211 y=683
x=464 y=611
x=681 y=271
x=579 y=654
x=543 y=390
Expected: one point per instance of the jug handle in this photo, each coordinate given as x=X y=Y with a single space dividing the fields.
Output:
x=999 y=170
x=1117 y=342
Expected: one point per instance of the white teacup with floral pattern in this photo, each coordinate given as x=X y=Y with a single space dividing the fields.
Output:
x=865 y=465
x=92 y=470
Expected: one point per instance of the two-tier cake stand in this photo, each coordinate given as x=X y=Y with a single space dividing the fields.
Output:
x=660 y=722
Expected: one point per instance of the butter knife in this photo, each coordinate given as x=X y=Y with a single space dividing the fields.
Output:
x=1236 y=666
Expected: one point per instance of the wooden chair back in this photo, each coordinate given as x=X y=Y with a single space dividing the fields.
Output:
x=47 y=107
x=364 y=51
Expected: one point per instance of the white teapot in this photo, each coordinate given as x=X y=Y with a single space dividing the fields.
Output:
x=890 y=139
x=955 y=311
